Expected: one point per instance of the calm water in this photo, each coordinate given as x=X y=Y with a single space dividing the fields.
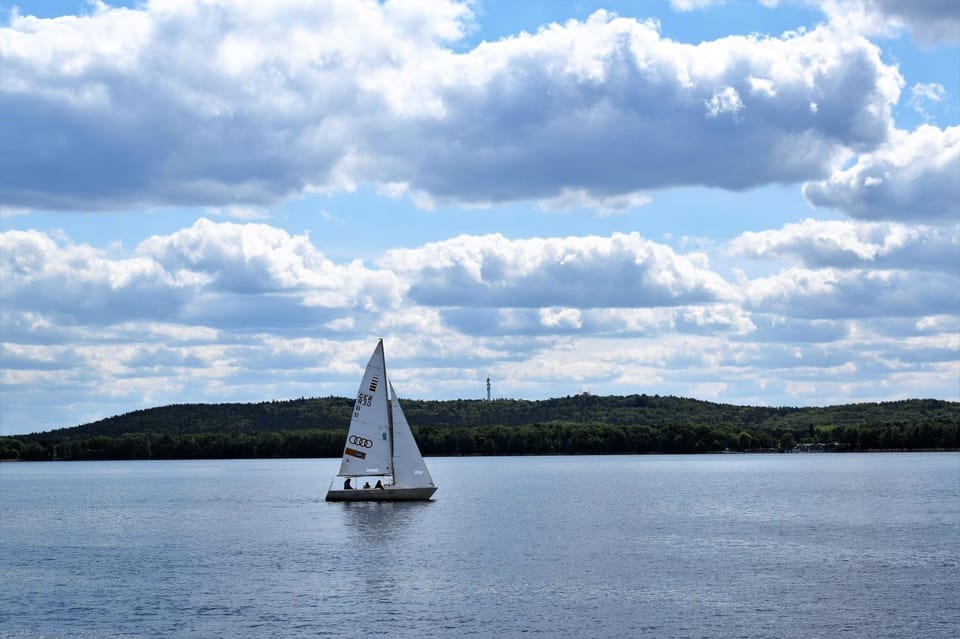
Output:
x=648 y=546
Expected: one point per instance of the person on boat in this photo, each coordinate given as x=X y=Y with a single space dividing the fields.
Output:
x=379 y=485
x=366 y=485
x=346 y=485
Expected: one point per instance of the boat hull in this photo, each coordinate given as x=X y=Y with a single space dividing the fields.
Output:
x=387 y=493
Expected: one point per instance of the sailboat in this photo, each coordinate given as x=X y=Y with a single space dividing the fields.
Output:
x=380 y=446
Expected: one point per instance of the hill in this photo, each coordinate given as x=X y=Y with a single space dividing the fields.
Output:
x=578 y=424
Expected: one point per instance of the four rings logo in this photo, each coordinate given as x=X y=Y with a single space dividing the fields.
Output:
x=360 y=441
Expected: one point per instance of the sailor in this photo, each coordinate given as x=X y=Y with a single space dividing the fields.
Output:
x=379 y=485
x=366 y=485
x=346 y=484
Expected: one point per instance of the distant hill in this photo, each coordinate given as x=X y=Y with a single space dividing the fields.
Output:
x=575 y=424
x=180 y=419
x=631 y=410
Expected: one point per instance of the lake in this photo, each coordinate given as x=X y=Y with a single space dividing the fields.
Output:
x=829 y=545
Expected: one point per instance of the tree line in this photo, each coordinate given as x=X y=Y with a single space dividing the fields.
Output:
x=654 y=411
x=560 y=437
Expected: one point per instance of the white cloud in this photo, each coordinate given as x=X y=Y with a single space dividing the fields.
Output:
x=86 y=283
x=922 y=94
x=210 y=274
x=609 y=107
x=776 y=328
x=727 y=100
x=762 y=86
x=561 y=317
x=8 y=211
x=218 y=312
x=939 y=324
x=580 y=198
x=246 y=213
x=236 y=106
x=583 y=272
x=207 y=103
x=930 y=21
x=245 y=103
x=254 y=277
x=693 y=5
x=728 y=319
x=845 y=244
x=257 y=258
x=911 y=178
x=856 y=293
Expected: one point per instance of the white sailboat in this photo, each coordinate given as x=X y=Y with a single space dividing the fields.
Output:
x=380 y=446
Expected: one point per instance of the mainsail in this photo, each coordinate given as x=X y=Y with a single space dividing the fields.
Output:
x=368 y=447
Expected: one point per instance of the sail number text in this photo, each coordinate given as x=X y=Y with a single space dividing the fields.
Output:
x=362 y=400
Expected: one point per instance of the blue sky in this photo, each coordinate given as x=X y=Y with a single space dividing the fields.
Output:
x=753 y=203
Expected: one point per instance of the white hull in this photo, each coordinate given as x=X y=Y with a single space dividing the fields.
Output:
x=387 y=493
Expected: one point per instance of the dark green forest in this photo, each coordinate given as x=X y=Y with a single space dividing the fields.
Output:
x=580 y=424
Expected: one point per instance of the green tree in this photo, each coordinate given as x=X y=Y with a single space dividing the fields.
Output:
x=787 y=441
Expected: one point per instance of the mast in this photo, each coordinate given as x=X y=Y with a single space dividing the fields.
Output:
x=386 y=383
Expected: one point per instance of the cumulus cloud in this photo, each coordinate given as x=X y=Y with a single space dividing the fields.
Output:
x=221 y=274
x=189 y=285
x=234 y=106
x=911 y=178
x=623 y=270
x=207 y=103
x=227 y=275
x=258 y=258
x=245 y=103
x=84 y=283
x=929 y=21
x=221 y=311
x=728 y=319
x=782 y=329
x=610 y=106
x=856 y=293
x=849 y=244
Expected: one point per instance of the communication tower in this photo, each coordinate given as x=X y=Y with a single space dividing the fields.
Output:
x=488 y=389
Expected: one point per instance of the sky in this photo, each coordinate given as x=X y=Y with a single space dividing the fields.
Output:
x=231 y=200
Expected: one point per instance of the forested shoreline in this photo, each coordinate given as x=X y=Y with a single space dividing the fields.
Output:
x=581 y=424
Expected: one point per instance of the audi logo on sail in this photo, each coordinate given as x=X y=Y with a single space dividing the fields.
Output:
x=360 y=441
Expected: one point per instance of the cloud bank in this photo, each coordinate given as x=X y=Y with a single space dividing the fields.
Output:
x=247 y=103
x=234 y=310
x=234 y=107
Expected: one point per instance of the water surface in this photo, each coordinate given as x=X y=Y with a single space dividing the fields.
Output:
x=858 y=545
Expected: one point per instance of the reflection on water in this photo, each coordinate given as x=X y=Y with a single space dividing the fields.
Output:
x=378 y=514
